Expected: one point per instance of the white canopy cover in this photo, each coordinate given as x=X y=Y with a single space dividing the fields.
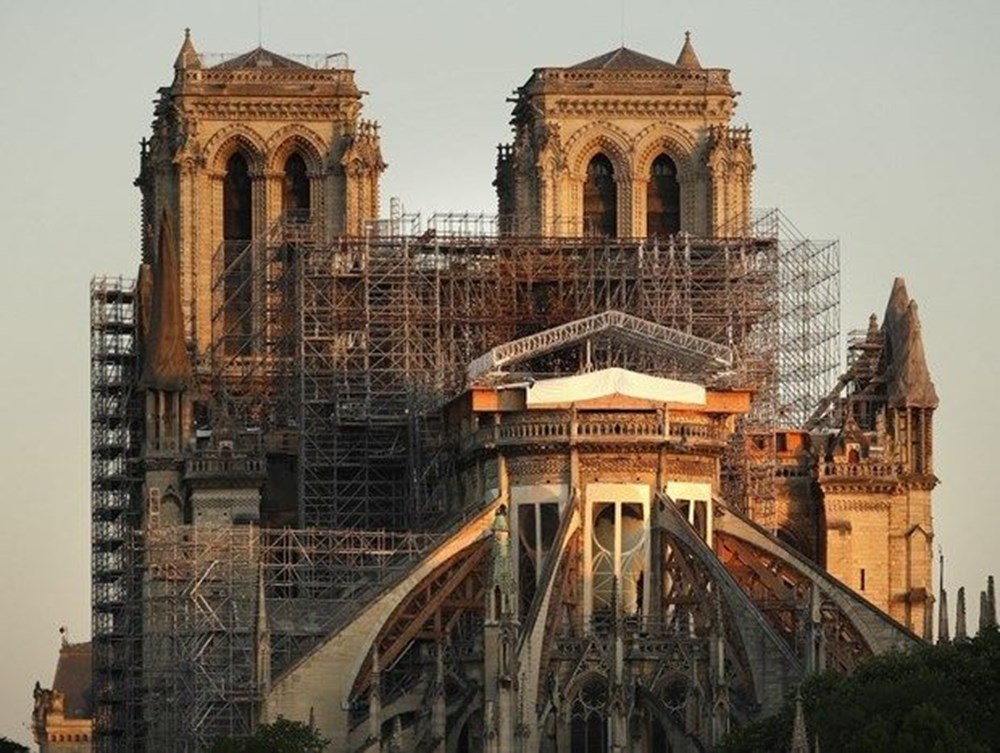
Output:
x=608 y=382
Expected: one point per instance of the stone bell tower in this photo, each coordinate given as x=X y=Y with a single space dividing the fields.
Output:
x=240 y=142
x=625 y=145
x=878 y=477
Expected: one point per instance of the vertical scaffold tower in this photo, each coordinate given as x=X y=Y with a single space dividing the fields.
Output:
x=115 y=431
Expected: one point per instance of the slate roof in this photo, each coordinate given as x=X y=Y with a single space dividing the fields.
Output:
x=258 y=58
x=624 y=59
x=73 y=680
x=905 y=363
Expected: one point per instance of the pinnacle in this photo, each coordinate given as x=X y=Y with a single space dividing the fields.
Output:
x=688 y=59
x=188 y=55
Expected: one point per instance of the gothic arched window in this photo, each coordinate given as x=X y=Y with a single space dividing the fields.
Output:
x=295 y=190
x=663 y=199
x=237 y=230
x=589 y=727
x=237 y=219
x=600 y=198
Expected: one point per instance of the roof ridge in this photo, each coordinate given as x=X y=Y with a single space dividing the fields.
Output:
x=623 y=58
x=259 y=57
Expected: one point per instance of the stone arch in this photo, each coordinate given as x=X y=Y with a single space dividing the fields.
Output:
x=673 y=727
x=468 y=722
x=664 y=138
x=680 y=146
x=602 y=137
x=296 y=138
x=669 y=678
x=576 y=685
x=587 y=142
x=585 y=717
x=230 y=139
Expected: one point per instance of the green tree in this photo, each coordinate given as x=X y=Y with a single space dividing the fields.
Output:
x=283 y=736
x=940 y=699
x=9 y=746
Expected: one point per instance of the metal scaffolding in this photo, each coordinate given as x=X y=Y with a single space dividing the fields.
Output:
x=115 y=436
x=808 y=328
x=354 y=343
x=225 y=607
x=200 y=630
x=341 y=353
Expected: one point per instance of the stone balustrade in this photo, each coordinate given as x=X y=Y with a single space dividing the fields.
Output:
x=564 y=430
x=863 y=469
x=210 y=466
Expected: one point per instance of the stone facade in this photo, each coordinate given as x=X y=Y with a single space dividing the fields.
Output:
x=633 y=598
x=592 y=581
x=878 y=472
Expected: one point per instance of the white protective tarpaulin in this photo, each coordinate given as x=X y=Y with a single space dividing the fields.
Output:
x=615 y=381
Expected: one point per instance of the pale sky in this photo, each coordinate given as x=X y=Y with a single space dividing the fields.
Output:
x=874 y=123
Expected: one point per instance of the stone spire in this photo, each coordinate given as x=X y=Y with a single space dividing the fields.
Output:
x=502 y=570
x=961 y=634
x=912 y=385
x=187 y=58
x=166 y=365
x=873 y=330
x=943 y=633
x=988 y=606
x=991 y=592
x=688 y=59
x=263 y=635
x=904 y=363
x=800 y=741
x=893 y=322
x=375 y=698
x=929 y=619
x=895 y=309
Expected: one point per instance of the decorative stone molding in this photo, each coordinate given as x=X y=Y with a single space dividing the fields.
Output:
x=296 y=138
x=225 y=141
x=292 y=110
x=730 y=165
x=632 y=108
x=665 y=138
x=602 y=137
x=857 y=504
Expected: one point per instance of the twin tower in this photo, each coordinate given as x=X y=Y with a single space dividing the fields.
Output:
x=623 y=145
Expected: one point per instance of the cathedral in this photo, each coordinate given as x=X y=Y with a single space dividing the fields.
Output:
x=582 y=476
